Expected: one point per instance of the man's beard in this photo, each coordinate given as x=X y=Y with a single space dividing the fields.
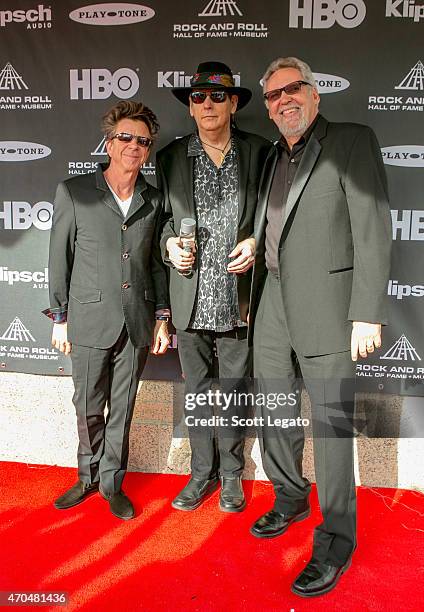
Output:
x=289 y=131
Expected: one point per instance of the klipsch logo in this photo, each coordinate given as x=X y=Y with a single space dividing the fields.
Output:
x=404 y=155
x=112 y=13
x=403 y=291
x=15 y=151
x=10 y=81
x=404 y=8
x=35 y=18
x=215 y=11
x=178 y=78
x=402 y=350
x=321 y=14
x=17 y=332
x=412 y=81
x=39 y=278
x=329 y=83
x=101 y=83
x=220 y=8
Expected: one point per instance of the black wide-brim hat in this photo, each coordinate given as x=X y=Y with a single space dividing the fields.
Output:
x=213 y=75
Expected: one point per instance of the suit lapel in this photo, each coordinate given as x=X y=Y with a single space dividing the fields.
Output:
x=307 y=164
x=243 y=161
x=264 y=190
x=186 y=164
x=137 y=200
x=107 y=196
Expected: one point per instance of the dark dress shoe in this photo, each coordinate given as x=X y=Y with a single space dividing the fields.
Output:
x=231 y=498
x=318 y=578
x=195 y=493
x=273 y=523
x=75 y=495
x=120 y=505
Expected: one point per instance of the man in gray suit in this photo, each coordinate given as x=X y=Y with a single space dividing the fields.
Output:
x=318 y=299
x=212 y=175
x=107 y=280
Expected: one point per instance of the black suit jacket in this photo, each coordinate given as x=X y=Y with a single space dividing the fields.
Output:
x=175 y=175
x=334 y=250
x=105 y=270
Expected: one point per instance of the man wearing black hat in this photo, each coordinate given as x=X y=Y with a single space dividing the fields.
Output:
x=212 y=176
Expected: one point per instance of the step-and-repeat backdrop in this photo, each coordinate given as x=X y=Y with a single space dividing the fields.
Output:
x=64 y=63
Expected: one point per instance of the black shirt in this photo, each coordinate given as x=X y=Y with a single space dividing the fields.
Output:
x=285 y=171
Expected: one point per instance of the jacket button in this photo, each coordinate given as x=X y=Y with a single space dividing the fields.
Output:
x=125 y=285
x=124 y=227
x=125 y=256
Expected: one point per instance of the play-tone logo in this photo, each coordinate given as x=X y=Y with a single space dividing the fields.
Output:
x=411 y=156
x=220 y=8
x=402 y=350
x=101 y=83
x=112 y=13
x=329 y=83
x=17 y=332
x=414 y=80
x=15 y=151
x=322 y=14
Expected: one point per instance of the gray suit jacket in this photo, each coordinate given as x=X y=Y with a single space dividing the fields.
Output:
x=105 y=270
x=175 y=175
x=334 y=251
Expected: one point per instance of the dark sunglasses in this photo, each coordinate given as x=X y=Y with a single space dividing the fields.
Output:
x=290 y=89
x=126 y=137
x=198 y=97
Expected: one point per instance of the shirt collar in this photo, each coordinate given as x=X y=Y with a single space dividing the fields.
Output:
x=282 y=143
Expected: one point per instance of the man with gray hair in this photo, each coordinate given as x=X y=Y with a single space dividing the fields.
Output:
x=323 y=237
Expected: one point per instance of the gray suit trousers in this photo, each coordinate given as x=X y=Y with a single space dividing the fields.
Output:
x=105 y=377
x=329 y=380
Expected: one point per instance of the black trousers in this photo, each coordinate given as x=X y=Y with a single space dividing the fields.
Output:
x=105 y=377
x=222 y=453
x=329 y=380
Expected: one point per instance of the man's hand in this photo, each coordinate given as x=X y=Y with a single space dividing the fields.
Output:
x=365 y=336
x=182 y=260
x=60 y=338
x=245 y=256
x=161 y=339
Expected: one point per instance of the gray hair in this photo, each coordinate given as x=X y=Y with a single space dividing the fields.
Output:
x=289 y=62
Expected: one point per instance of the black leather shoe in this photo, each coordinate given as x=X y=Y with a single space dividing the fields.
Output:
x=231 y=498
x=318 y=578
x=120 y=505
x=273 y=523
x=195 y=493
x=75 y=495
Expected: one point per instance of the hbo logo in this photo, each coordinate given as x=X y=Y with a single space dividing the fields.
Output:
x=21 y=215
x=319 y=14
x=100 y=83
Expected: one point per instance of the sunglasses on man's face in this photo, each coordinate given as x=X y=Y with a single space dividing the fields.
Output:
x=198 y=97
x=126 y=137
x=290 y=90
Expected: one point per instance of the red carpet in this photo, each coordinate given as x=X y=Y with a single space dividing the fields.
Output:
x=202 y=560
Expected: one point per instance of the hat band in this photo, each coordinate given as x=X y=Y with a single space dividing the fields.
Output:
x=212 y=78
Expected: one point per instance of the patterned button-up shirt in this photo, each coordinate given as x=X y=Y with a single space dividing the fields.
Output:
x=216 y=200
